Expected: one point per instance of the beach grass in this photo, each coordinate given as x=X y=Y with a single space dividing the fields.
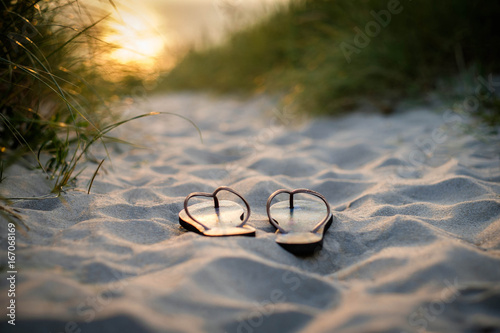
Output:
x=54 y=96
x=327 y=56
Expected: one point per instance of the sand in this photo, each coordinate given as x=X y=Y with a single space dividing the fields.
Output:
x=414 y=246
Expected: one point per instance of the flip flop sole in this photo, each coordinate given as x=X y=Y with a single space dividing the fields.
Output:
x=303 y=243
x=222 y=221
x=298 y=222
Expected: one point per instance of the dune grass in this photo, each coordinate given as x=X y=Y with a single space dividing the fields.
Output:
x=311 y=53
x=53 y=92
x=46 y=103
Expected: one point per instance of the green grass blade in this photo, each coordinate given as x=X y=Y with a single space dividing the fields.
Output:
x=76 y=36
x=95 y=174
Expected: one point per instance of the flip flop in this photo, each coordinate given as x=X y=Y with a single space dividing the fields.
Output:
x=296 y=222
x=222 y=218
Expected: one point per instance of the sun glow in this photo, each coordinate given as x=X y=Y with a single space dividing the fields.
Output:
x=149 y=36
x=135 y=41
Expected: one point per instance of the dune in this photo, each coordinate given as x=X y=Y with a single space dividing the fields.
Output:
x=414 y=245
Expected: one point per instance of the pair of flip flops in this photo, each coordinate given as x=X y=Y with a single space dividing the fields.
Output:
x=300 y=224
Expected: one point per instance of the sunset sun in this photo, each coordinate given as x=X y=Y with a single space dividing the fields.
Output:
x=135 y=40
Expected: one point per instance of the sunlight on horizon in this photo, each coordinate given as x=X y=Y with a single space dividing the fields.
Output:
x=135 y=40
x=136 y=43
x=150 y=36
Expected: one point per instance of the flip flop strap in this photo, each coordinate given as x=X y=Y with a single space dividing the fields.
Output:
x=300 y=190
x=216 y=203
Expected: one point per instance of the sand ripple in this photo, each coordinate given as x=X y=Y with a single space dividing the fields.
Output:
x=415 y=244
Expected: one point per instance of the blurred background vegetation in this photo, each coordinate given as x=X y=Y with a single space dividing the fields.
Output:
x=298 y=53
x=65 y=65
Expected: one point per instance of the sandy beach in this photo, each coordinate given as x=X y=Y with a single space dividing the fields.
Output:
x=414 y=245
